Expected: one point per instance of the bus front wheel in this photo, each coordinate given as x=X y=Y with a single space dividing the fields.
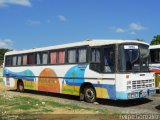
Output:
x=20 y=86
x=89 y=94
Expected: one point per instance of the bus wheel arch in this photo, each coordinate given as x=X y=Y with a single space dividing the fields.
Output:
x=20 y=85
x=87 y=92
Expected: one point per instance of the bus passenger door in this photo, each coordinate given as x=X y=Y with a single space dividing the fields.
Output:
x=108 y=77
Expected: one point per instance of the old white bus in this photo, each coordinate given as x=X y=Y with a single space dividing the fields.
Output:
x=155 y=64
x=109 y=69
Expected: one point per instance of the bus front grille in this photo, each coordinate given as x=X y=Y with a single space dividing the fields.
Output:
x=141 y=84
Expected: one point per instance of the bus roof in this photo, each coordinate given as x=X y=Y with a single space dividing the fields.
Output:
x=89 y=42
x=154 y=46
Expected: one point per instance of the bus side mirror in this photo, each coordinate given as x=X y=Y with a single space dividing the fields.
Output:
x=95 y=67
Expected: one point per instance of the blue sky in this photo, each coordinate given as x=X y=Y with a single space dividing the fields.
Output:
x=28 y=24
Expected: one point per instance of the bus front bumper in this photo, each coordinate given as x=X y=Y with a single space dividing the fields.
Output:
x=136 y=94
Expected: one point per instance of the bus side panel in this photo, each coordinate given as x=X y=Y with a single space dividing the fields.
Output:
x=156 y=68
x=10 y=82
x=66 y=79
x=73 y=79
x=104 y=84
x=27 y=76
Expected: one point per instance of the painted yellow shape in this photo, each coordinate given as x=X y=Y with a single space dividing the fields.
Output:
x=101 y=92
x=77 y=89
x=15 y=83
x=29 y=85
x=71 y=90
x=157 y=81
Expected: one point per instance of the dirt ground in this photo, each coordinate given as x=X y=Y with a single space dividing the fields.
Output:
x=102 y=109
x=47 y=106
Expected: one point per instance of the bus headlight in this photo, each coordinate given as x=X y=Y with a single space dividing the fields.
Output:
x=133 y=95
x=128 y=87
x=128 y=82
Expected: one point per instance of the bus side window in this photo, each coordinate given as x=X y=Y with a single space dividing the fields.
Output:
x=24 y=60
x=109 y=59
x=61 y=57
x=8 y=61
x=45 y=58
x=53 y=57
x=19 y=60
x=155 y=55
x=82 y=55
x=38 y=59
x=95 y=64
x=14 y=60
x=95 y=55
x=71 y=56
x=30 y=59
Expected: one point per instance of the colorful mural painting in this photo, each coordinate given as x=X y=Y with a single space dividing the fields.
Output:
x=48 y=81
x=73 y=79
x=27 y=76
x=105 y=91
x=155 y=69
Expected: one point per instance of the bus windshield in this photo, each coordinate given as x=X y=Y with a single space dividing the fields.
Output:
x=133 y=58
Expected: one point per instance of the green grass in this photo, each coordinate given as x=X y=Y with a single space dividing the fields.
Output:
x=1 y=80
x=31 y=105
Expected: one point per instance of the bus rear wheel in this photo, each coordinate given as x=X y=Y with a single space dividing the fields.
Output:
x=89 y=94
x=20 y=86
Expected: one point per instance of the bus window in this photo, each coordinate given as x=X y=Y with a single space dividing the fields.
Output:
x=82 y=55
x=95 y=64
x=155 y=55
x=44 y=58
x=24 y=59
x=61 y=57
x=38 y=55
x=30 y=59
x=72 y=56
x=109 y=64
x=19 y=62
x=53 y=57
x=144 y=55
x=14 y=60
x=95 y=55
x=8 y=61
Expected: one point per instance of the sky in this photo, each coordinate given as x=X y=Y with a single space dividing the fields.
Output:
x=26 y=24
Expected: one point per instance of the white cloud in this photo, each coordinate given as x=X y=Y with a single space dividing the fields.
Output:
x=6 y=43
x=132 y=33
x=62 y=18
x=131 y=29
x=136 y=26
x=4 y=3
x=34 y=22
x=119 y=30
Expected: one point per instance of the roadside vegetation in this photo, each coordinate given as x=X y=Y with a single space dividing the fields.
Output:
x=19 y=105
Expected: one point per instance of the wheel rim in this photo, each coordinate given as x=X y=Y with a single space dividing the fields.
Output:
x=90 y=95
x=20 y=87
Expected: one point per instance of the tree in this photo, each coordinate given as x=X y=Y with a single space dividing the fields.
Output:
x=2 y=52
x=155 y=40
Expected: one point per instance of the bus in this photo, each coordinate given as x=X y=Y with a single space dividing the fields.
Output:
x=108 y=69
x=155 y=64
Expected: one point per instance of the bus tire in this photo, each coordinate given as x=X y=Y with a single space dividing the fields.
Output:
x=89 y=94
x=20 y=86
